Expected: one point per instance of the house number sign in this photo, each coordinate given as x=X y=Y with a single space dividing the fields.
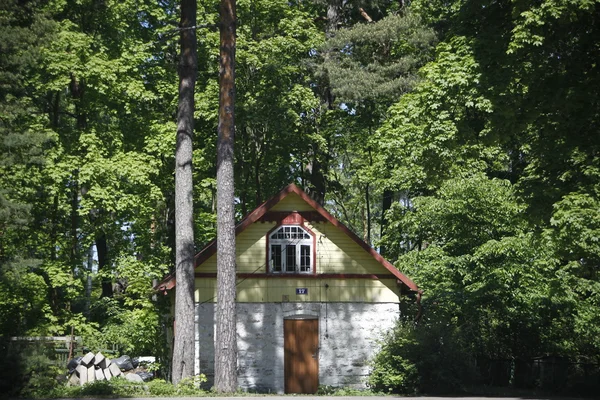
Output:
x=302 y=290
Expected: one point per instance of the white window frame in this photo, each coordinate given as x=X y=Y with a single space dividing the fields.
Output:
x=296 y=240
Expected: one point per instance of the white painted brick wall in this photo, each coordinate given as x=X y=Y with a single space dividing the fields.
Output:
x=348 y=336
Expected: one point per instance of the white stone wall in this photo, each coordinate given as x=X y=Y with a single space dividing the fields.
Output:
x=348 y=337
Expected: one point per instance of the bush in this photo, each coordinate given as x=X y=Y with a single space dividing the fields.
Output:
x=191 y=386
x=393 y=369
x=160 y=387
x=327 y=390
x=416 y=359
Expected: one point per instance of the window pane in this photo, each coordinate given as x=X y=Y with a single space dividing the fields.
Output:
x=276 y=257
x=305 y=258
x=290 y=259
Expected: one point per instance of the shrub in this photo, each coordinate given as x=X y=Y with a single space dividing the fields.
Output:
x=191 y=386
x=28 y=370
x=160 y=387
x=393 y=369
x=415 y=359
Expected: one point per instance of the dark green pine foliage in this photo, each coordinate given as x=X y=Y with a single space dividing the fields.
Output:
x=369 y=67
x=378 y=61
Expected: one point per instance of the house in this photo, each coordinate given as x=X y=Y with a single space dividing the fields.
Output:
x=313 y=299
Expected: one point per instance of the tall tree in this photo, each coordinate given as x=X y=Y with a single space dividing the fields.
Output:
x=370 y=66
x=225 y=343
x=183 y=357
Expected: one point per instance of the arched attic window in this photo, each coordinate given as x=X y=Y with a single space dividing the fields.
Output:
x=290 y=250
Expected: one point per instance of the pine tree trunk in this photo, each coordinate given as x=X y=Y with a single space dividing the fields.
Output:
x=102 y=249
x=386 y=204
x=319 y=164
x=225 y=343
x=183 y=351
x=368 y=206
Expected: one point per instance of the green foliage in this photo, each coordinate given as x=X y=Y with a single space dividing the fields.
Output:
x=493 y=289
x=326 y=390
x=433 y=358
x=82 y=90
x=464 y=214
x=483 y=272
x=131 y=320
x=162 y=388
x=495 y=153
x=28 y=370
x=577 y=215
x=117 y=387
x=191 y=385
x=440 y=130
x=365 y=68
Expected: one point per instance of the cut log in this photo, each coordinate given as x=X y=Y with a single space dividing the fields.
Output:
x=82 y=371
x=73 y=380
x=99 y=375
x=104 y=363
x=114 y=370
x=107 y=374
x=88 y=359
x=98 y=358
x=134 y=377
x=91 y=374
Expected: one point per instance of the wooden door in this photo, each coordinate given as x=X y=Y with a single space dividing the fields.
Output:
x=301 y=359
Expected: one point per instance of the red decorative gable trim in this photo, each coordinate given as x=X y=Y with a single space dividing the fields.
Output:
x=295 y=217
x=262 y=213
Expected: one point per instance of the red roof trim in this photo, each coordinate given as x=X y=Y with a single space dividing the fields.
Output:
x=261 y=210
x=167 y=283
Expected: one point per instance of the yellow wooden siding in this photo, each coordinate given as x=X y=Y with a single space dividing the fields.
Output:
x=275 y=290
x=339 y=254
x=292 y=202
x=336 y=252
x=250 y=250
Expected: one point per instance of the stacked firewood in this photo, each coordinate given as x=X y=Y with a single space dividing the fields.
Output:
x=92 y=367
x=96 y=367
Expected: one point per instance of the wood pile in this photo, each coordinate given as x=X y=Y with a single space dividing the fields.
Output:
x=93 y=367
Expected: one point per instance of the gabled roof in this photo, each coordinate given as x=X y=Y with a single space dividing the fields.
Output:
x=261 y=210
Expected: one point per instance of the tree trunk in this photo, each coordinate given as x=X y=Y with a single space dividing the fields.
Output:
x=183 y=348
x=74 y=245
x=88 y=282
x=386 y=205
x=368 y=206
x=225 y=343
x=102 y=249
x=334 y=17
x=319 y=164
